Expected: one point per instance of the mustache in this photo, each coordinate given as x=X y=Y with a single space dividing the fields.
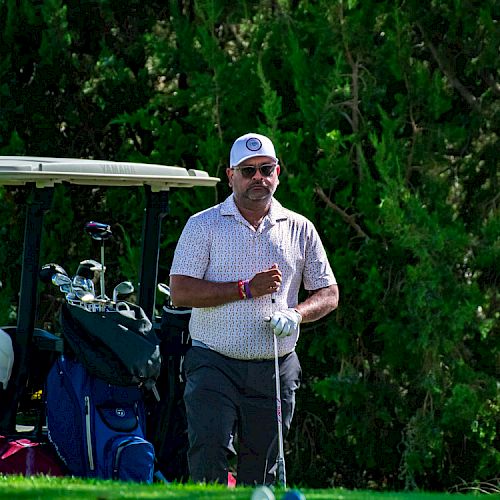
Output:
x=258 y=184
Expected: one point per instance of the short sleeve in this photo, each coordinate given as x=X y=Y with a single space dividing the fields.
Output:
x=191 y=255
x=317 y=270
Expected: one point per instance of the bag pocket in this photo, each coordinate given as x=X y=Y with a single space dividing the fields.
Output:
x=130 y=458
x=119 y=418
x=65 y=411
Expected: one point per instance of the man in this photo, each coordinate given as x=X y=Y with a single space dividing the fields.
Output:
x=236 y=264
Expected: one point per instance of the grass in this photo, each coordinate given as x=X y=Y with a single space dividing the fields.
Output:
x=50 y=488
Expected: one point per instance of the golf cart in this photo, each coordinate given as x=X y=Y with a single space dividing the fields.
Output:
x=39 y=176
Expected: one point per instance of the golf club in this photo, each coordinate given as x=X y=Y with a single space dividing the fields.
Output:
x=72 y=299
x=92 y=303
x=123 y=288
x=84 y=295
x=165 y=289
x=280 y=460
x=48 y=270
x=83 y=283
x=99 y=232
x=90 y=265
x=59 y=279
x=90 y=269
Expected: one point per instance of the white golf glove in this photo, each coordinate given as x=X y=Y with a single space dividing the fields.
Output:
x=285 y=322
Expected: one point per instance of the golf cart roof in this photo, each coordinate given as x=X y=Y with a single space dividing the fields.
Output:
x=45 y=172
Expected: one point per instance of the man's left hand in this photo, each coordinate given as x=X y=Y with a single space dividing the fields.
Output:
x=285 y=322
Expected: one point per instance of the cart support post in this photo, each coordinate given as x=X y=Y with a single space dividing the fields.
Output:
x=39 y=202
x=155 y=210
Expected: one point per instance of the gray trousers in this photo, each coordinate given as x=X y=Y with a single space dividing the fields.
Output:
x=224 y=395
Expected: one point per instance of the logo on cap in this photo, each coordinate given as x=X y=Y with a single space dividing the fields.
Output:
x=253 y=144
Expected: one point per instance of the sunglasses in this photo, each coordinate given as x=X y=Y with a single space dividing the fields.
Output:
x=265 y=170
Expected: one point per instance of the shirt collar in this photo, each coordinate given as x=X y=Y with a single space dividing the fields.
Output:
x=276 y=211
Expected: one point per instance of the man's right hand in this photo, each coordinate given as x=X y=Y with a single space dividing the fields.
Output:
x=286 y=322
x=266 y=282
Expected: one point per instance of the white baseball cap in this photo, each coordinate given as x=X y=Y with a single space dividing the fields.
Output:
x=250 y=145
x=6 y=358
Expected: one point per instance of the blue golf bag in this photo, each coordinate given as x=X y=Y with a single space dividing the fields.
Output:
x=94 y=397
x=97 y=428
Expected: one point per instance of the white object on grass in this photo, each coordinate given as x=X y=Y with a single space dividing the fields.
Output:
x=6 y=358
x=262 y=493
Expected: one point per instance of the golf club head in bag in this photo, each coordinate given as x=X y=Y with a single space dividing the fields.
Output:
x=100 y=232
x=59 y=279
x=90 y=269
x=123 y=288
x=48 y=270
x=165 y=290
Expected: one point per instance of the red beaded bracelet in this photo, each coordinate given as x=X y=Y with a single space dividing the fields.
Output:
x=241 y=290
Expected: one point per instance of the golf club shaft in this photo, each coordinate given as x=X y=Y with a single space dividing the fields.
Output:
x=103 y=295
x=280 y=461
x=281 y=473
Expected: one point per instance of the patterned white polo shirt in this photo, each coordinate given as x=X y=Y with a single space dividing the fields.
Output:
x=220 y=245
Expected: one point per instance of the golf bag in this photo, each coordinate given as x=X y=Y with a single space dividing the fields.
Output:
x=167 y=425
x=97 y=428
x=119 y=347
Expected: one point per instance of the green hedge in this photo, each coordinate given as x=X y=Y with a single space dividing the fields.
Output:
x=385 y=116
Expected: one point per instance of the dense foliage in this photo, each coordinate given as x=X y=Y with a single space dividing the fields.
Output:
x=385 y=116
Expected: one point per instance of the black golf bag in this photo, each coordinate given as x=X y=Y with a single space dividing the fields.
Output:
x=166 y=419
x=119 y=347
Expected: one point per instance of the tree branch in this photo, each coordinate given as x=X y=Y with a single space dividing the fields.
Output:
x=350 y=219
x=354 y=102
x=455 y=82
x=494 y=86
